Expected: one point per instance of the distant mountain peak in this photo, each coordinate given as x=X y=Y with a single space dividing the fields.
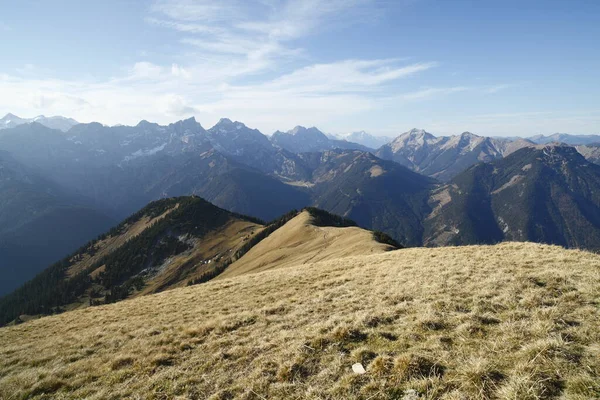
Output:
x=226 y=125
x=57 y=122
x=414 y=134
x=224 y=121
x=417 y=131
x=301 y=130
x=366 y=139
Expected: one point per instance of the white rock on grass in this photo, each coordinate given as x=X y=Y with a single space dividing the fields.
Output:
x=358 y=368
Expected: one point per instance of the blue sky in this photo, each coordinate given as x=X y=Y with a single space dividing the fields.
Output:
x=490 y=67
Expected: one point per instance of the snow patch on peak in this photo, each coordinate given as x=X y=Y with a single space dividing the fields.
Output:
x=145 y=153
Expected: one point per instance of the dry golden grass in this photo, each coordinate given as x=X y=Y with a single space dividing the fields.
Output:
x=300 y=242
x=512 y=321
x=220 y=244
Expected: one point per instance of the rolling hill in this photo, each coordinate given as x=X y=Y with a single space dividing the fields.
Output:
x=302 y=241
x=182 y=241
x=511 y=321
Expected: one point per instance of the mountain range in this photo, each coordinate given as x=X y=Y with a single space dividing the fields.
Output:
x=445 y=157
x=420 y=189
x=566 y=138
x=57 y=122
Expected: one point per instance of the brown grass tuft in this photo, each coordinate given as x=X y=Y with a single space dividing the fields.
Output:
x=407 y=367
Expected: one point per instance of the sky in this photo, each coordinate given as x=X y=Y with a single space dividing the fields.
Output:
x=491 y=67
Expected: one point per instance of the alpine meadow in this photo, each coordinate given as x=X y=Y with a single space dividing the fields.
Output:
x=300 y=199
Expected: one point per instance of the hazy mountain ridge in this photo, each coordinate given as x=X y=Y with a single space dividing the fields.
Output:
x=305 y=140
x=377 y=194
x=56 y=122
x=446 y=156
x=566 y=138
x=365 y=138
x=546 y=194
x=39 y=222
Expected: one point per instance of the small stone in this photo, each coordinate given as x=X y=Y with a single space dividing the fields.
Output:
x=358 y=368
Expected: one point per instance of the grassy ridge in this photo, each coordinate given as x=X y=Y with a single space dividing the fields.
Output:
x=512 y=321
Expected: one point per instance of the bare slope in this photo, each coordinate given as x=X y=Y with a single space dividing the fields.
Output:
x=511 y=321
x=300 y=242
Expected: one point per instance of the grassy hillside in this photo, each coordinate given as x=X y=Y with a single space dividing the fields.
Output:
x=164 y=245
x=313 y=235
x=511 y=321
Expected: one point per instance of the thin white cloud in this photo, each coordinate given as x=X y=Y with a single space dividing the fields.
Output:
x=499 y=88
x=431 y=92
x=241 y=60
x=185 y=27
x=258 y=33
x=199 y=10
x=342 y=76
x=147 y=91
x=4 y=27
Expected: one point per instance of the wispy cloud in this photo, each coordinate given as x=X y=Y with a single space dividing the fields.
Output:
x=259 y=33
x=241 y=59
x=431 y=92
x=4 y=27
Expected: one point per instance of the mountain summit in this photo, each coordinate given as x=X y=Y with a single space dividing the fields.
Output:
x=446 y=156
x=305 y=140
